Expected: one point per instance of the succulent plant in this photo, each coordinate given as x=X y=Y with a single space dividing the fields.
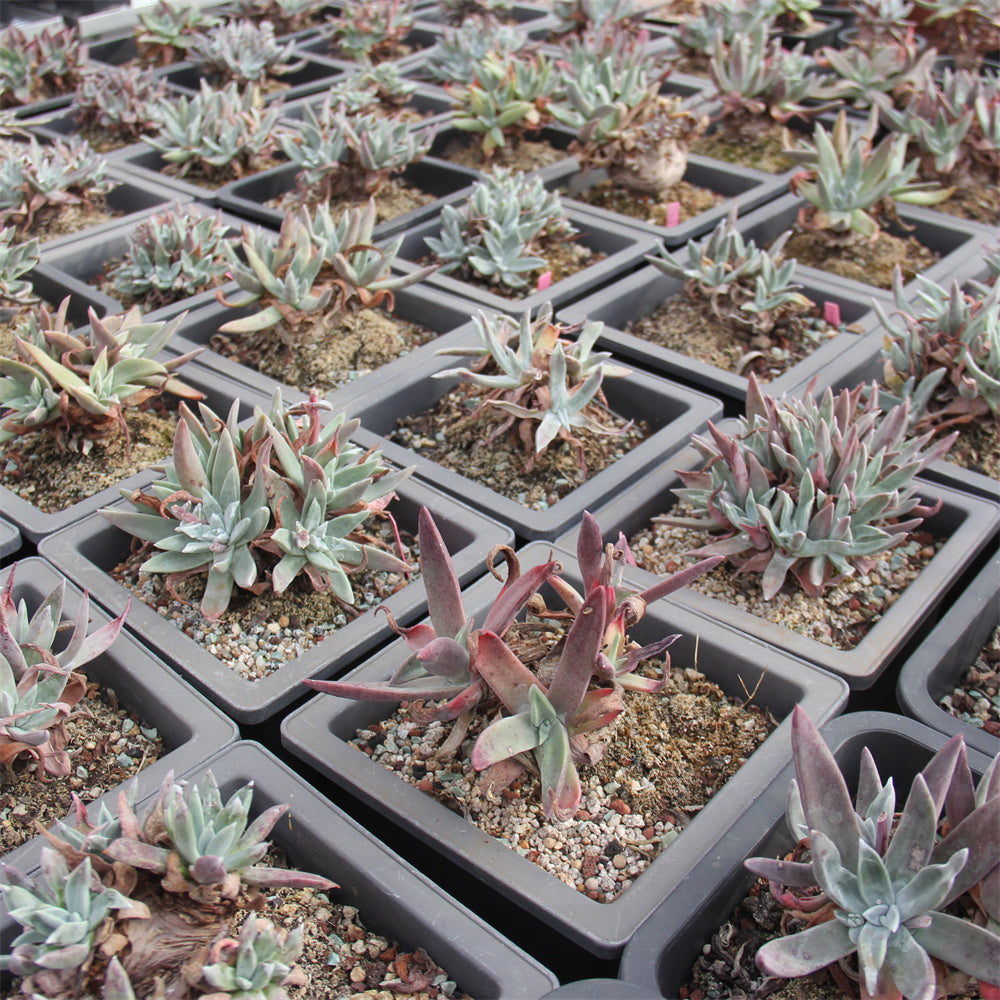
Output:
x=496 y=232
x=878 y=22
x=508 y=96
x=37 y=181
x=259 y=506
x=853 y=184
x=257 y=964
x=726 y=19
x=78 y=386
x=16 y=260
x=166 y=31
x=318 y=268
x=122 y=101
x=172 y=255
x=47 y=64
x=217 y=132
x=794 y=15
x=741 y=282
x=457 y=56
x=887 y=897
x=39 y=684
x=579 y=16
x=898 y=71
x=965 y=29
x=342 y=155
x=458 y=12
x=370 y=30
x=941 y=351
x=372 y=90
x=287 y=16
x=244 y=52
x=545 y=378
x=815 y=489
x=61 y=914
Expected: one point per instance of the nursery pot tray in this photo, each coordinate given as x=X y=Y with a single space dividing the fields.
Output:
x=52 y=285
x=192 y=729
x=644 y=291
x=968 y=522
x=659 y=957
x=248 y=196
x=89 y=551
x=673 y=413
x=393 y=899
x=944 y=656
x=318 y=733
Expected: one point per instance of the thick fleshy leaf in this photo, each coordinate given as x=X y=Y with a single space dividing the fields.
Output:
x=578 y=659
x=508 y=678
x=958 y=942
x=503 y=738
x=804 y=953
x=444 y=598
x=794 y=874
x=513 y=596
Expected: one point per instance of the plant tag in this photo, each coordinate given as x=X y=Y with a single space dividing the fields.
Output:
x=831 y=313
x=673 y=214
x=544 y=281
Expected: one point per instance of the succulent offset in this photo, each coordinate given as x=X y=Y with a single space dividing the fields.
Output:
x=370 y=30
x=17 y=259
x=244 y=52
x=886 y=884
x=166 y=31
x=457 y=56
x=812 y=489
x=121 y=101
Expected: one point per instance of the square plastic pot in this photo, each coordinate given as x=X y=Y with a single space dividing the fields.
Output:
x=968 y=523
x=393 y=899
x=946 y=653
x=822 y=33
x=10 y=539
x=90 y=550
x=192 y=729
x=743 y=187
x=248 y=196
x=52 y=285
x=643 y=292
x=428 y=100
x=623 y=249
x=956 y=240
x=673 y=413
x=659 y=957
x=142 y=161
x=418 y=303
x=35 y=523
x=861 y=361
x=319 y=733
x=83 y=263
x=420 y=38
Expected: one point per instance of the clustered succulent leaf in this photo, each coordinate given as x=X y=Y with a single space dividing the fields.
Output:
x=253 y=508
x=539 y=376
x=725 y=19
x=216 y=132
x=498 y=233
x=467 y=669
x=190 y=852
x=38 y=181
x=77 y=386
x=742 y=282
x=508 y=96
x=287 y=16
x=884 y=884
x=852 y=185
x=941 y=352
x=16 y=260
x=165 y=32
x=457 y=56
x=370 y=30
x=47 y=64
x=897 y=71
x=374 y=90
x=963 y=29
x=318 y=268
x=579 y=16
x=347 y=156
x=172 y=255
x=123 y=102
x=244 y=52
x=40 y=684
x=814 y=489
x=881 y=22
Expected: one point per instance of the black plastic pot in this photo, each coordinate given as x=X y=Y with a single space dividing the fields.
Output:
x=967 y=523
x=318 y=733
x=623 y=247
x=418 y=303
x=956 y=240
x=672 y=412
x=248 y=196
x=659 y=957
x=743 y=187
x=823 y=32
x=87 y=552
x=947 y=652
x=191 y=728
x=420 y=38
x=394 y=900
x=82 y=264
x=645 y=290
x=10 y=539
x=147 y=164
x=428 y=100
x=35 y=524
x=52 y=285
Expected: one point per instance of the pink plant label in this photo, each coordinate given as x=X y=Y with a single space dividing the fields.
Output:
x=831 y=313
x=544 y=281
x=673 y=214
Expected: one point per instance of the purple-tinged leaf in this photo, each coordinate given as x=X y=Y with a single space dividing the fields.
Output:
x=940 y=769
x=208 y=870
x=508 y=678
x=910 y=846
x=283 y=878
x=802 y=954
x=444 y=598
x=599 y=708
x=961 y=944
x=503 y=738
x=513 y=596
x=977 y=832
x=138 y=855
x=444 y=657
x=258 y=830
x=568 y=594
x=869 y=782
x=590 y=551
x=680 y=579
x=579 y=655
x=432 y=690
x=794 y=874
x=961 y=797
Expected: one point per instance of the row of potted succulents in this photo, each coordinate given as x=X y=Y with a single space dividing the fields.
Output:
x=255 y=493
